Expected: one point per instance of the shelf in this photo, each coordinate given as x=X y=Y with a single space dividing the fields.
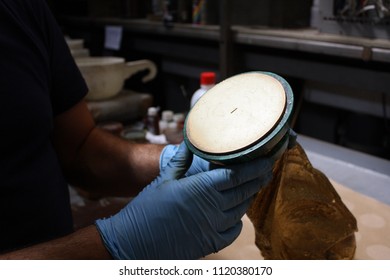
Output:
x=312 y=41
x=209 y=32
x=302 y=40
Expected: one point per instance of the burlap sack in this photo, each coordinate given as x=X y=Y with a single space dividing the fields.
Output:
x=299 y=215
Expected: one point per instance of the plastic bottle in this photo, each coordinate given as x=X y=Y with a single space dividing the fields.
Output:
x=166 y=118
x=207 y=81
x=315 y=17
x=152 y=121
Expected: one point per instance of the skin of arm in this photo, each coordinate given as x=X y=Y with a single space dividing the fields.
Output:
x=96 y=161
x=99 y=161
x=84 y=244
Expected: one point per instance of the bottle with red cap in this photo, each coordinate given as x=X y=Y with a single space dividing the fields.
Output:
x=207 y=81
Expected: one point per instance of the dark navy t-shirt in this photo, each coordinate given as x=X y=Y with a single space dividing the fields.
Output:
x=38 y=80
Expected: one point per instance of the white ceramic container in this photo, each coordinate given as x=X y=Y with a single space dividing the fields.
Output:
x=105 y=76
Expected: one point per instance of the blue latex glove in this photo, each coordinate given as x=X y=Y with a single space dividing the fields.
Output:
x=178 y=217
x=198 y=164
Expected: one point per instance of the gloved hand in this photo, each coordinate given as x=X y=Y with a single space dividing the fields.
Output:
x=198 y=164
x=178 y=217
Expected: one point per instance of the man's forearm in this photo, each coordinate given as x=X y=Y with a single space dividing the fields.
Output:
x=98 y=160
x=83 y=244
x=113 y=166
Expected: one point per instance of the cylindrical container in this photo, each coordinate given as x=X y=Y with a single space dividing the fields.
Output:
x=241 y=118
x=166 y=118
x=315 y=15
x=167 y=115
x=173 y=133
x=207 y=81
x=152 y=121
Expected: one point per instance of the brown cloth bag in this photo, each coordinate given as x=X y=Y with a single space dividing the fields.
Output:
x=299 y=214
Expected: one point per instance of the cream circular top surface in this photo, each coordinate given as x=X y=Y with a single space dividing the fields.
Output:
x=236 y=113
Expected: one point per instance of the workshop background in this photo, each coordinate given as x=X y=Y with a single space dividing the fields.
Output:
x=335 y=54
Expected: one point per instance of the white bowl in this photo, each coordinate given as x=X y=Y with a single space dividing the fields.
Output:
x=105 y=76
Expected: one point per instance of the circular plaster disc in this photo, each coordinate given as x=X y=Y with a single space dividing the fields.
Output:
x=236 y=113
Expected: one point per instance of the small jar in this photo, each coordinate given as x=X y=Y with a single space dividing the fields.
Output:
x=152 y=121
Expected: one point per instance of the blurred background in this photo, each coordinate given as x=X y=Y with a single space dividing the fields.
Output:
x=335 y=54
